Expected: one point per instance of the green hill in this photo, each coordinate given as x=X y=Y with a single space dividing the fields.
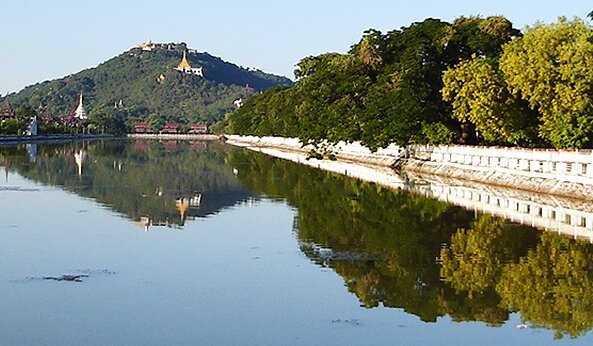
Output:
x=144 y=78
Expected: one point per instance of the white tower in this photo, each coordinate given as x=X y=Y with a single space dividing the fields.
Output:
x=80 y=112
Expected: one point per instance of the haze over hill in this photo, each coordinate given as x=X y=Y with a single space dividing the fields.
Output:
x=146 y=83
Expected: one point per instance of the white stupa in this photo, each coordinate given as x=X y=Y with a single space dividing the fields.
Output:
x=80 y=112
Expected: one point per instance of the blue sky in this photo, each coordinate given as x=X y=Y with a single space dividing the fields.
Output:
x=42 y=40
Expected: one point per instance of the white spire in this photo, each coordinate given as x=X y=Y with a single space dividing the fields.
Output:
x=80 y=112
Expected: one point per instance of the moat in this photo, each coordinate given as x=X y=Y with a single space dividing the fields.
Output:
x=172 y=242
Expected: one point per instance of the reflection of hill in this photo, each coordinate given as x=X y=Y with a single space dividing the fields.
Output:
x=430 y=258
x=139 y=180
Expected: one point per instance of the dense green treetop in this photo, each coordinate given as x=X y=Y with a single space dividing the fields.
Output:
x=551 y=67
x=479 y=96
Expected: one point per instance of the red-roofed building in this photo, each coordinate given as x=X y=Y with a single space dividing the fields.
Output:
x=171 y=128
x=141 y=127
x=198 y=128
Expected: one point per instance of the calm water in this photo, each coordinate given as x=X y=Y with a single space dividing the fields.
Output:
x=200 y=243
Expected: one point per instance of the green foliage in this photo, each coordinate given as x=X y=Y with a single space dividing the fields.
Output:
x=385 y=90
x=551 y=67
x=132 y=77
x=474 y=261
x=479 y=96
x=438 y=133
x=13 y=127
x=271 y=113
x=19 y=123
x=476 y=80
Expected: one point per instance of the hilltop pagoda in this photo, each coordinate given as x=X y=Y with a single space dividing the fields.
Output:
x=185 y=67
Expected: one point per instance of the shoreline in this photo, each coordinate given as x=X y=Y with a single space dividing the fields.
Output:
x=561 y=211
x=567 y=214
x=180 y=136
x=472 y=187
x=9 y=140
x=420 y=160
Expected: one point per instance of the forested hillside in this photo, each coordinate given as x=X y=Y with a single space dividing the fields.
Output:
x=473 y=81
x=149 y=87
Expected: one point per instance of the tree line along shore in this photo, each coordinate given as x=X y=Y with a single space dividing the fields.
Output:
x=476 y=81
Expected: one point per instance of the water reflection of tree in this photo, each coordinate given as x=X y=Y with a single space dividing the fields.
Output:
x=473 y=262
x=552 y=285
x=427 y=257
x=397 y=249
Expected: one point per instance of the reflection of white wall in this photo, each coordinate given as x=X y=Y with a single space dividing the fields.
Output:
x=542 y=211
x=550 y=213
x=32 y=151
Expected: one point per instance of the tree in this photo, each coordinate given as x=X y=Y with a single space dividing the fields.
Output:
x=480 y=96
x=385 y=90
x=474 y=35
x=551 y=67
x=331 y=90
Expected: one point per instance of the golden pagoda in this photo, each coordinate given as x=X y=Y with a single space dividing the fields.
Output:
x=185 y=67
x=184 y=64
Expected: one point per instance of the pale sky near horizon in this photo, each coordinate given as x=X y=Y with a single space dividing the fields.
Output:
x=41 y=40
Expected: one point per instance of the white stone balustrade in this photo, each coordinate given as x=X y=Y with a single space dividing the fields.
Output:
x=557 y=162
x=576 y=163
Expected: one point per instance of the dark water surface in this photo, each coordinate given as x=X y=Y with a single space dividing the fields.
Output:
x=200 y=243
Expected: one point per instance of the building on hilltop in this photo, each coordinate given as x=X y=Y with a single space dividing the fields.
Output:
x=147 y=46
x=80 y=113
x=185 y=67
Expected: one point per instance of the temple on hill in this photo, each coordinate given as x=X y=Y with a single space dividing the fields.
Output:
x=147 y=46
x=185 y=67
x=80 y=113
